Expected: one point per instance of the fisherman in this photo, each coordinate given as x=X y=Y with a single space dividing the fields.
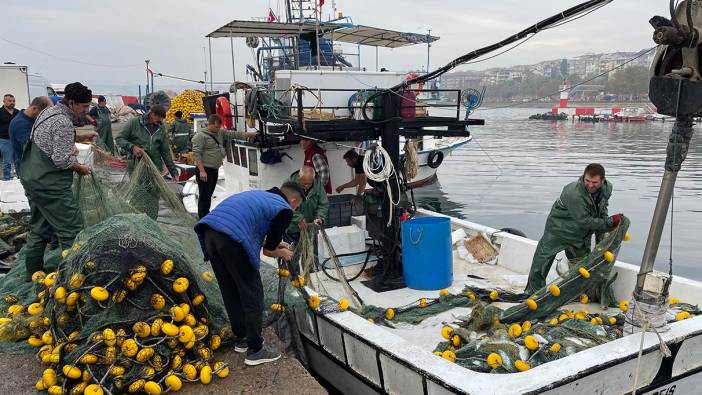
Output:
x=21 y=127
x=7 y=113
x=103 y=122
x=179 y=133
x=354 y=161
x=315 y=157
x=579 y=212
x=231 y=237
x=146 y=135
x=315 y=208
x=208 y=153
x=48 y=163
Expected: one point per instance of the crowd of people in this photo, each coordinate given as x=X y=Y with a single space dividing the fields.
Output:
x=39 y=142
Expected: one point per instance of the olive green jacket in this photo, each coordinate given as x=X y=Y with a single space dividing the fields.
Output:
x=316 y=205
x=155 y=145
x=574 y=217
x=212 y=152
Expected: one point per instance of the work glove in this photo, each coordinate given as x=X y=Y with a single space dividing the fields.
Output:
x=616 y=219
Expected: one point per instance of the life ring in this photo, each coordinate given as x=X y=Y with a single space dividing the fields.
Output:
x=224 y=111
x=419 y=86
x=435 y=158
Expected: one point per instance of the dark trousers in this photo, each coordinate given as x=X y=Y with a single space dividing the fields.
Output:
x=240 y=284
x=206 y=189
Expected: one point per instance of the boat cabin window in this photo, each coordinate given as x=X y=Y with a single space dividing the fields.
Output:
x=253 y=162
x=242 y=155
x=235 y=155
x=228 y=151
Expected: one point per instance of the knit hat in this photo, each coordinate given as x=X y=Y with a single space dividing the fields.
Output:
x=78 y=92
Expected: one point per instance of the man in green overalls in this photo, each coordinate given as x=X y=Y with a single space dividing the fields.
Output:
x=579 y=212
x=146 y=135
x=48 y=163
x=179 y=133
x=103 y=122
x=315 y=208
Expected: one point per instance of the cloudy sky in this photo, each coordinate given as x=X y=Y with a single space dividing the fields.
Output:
x=105 y=43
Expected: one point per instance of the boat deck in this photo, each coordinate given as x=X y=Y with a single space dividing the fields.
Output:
x=427 y=334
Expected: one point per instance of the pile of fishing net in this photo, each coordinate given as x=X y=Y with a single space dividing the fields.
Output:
x=130 y=307
x=535 y=329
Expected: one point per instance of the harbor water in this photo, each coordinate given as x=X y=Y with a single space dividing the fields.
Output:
x=515 y=168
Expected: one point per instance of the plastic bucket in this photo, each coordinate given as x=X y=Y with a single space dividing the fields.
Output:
x=427 y=259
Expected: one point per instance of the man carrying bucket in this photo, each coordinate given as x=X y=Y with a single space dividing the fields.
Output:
x=580 y=211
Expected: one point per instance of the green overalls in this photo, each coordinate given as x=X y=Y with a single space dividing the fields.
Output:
x=104 y=130
x=53 y=207
x=136 y=132
x=573 y=219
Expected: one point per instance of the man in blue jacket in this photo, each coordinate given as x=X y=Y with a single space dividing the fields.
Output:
x=21 y=127
x=231 y=237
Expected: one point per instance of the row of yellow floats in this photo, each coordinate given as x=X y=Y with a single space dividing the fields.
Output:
x=121 y=349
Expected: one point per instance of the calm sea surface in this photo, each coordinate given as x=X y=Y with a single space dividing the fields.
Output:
x=514 y=170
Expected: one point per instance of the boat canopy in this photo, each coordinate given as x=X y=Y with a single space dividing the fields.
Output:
x=343 y=32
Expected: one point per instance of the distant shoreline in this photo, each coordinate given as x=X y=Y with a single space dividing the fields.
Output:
x=570 y=104
x=548 y=106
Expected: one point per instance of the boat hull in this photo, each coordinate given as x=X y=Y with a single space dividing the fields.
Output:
x=377 y=359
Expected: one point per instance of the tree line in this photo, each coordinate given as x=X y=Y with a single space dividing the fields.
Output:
x=631 y=81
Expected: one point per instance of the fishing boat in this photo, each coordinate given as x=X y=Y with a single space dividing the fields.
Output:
x=356 y=355
x=317 y=64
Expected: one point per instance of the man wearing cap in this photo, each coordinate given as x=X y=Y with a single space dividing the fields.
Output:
x=48 y=163
x=103 y=123
x=146 y=135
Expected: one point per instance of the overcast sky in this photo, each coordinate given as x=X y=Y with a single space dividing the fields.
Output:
x=107 y=41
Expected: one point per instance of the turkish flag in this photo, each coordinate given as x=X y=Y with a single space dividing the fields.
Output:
x=321 y=3
x=271 y=16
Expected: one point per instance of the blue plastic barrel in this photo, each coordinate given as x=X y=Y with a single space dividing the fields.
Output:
x=427 y=259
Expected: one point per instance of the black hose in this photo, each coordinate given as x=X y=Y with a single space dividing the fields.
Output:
x=533 y=29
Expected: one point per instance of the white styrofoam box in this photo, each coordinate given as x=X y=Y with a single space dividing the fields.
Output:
x=344 y=239
x=12 y=197
x=359 y=221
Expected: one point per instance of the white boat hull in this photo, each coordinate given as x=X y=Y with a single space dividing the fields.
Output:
x=360 y=357
x=238 y=176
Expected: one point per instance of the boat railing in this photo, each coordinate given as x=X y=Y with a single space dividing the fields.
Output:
x=285 y=115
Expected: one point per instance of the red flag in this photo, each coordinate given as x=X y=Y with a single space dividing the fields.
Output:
x=321 y=3
x=271 y=16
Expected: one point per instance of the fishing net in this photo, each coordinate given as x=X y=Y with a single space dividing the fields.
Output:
x=130 y=303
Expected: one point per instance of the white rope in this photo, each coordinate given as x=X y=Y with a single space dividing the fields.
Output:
x=653 y=320
x=378 y=167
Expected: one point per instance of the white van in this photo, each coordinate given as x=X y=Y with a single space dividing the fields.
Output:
x=39 y=86
x=24 y=86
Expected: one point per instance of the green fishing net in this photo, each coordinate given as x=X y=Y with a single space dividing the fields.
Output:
x=127 y=284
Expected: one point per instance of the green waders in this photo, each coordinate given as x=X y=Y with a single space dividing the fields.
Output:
x=104 y=130
x=547 y=249
x=54 y=209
